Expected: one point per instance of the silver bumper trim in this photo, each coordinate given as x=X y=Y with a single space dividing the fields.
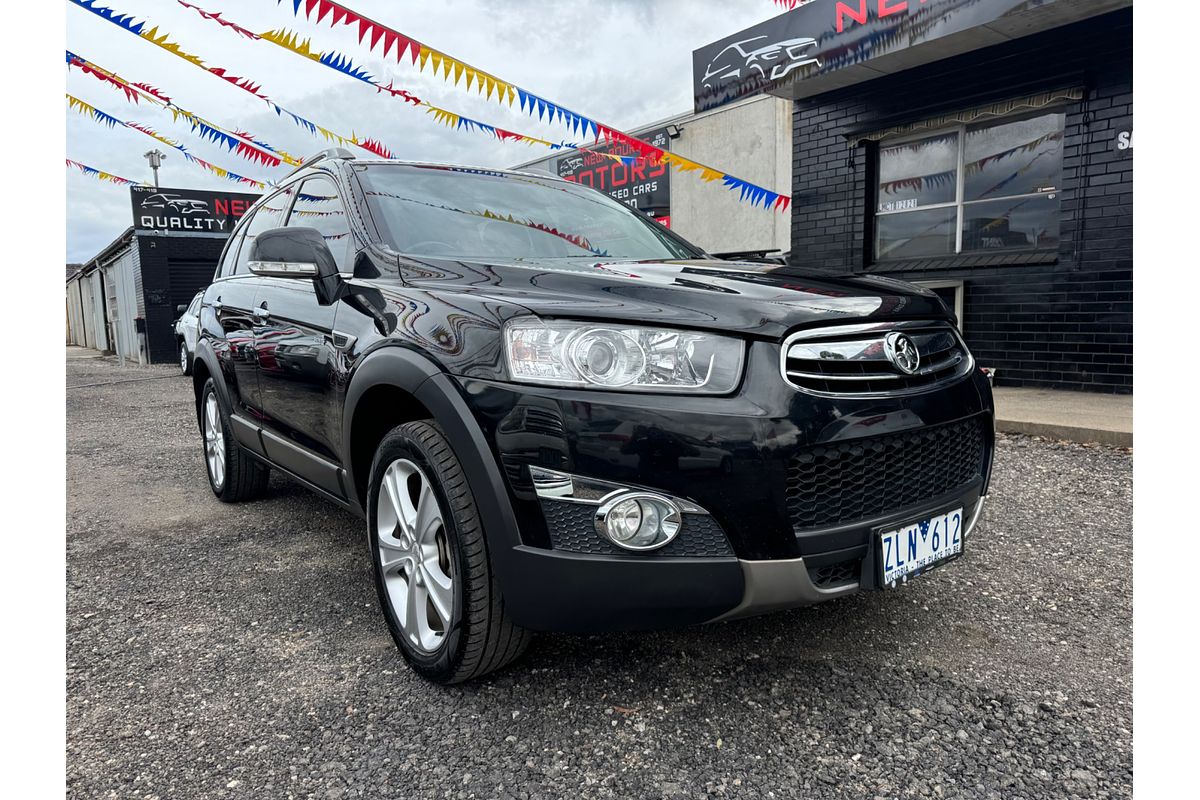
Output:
x=779 y=585
x=776 y=585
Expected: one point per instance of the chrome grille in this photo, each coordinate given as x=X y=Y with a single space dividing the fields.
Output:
x=852 y=359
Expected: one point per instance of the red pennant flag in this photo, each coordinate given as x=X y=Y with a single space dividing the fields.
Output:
x=375 y=147
x=323 y=8
x=376 y=32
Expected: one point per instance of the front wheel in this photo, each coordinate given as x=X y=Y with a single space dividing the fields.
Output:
x=440 y=600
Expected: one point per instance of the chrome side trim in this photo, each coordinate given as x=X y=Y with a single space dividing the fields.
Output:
x=551 y=484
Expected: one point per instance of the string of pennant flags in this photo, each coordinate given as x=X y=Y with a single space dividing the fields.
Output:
x=109 y=121
x=338 y=62
x=238 y=142
x=151 y=34
x=100 y=174
x=374 y=35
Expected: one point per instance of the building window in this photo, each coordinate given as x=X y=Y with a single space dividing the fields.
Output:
x=971 y=189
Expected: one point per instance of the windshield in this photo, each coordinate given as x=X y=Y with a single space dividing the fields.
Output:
x=453 y=212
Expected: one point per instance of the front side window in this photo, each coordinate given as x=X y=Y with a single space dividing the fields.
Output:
x=271 y=214
x=453 y=212
x=980 y=188
x=318 y=206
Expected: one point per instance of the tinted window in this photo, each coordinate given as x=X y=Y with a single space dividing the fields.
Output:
x=1017 y=158
x=230 y=253
x=318 y=206
x=916 y=234
x=1006 y=196
x=271 y=214
x=465 y=213
x=918 y=174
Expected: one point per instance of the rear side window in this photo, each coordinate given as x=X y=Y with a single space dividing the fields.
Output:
x=319 y=206
x=270 y=214
x=229 y=255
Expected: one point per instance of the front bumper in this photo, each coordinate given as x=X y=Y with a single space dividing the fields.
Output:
x=734 y=456
x=584 y=593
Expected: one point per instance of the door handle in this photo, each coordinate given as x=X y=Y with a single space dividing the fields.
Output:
x=261 y=312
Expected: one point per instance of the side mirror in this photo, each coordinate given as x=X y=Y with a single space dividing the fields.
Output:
x=291 y=253
x=179 y=310
x=297 y=253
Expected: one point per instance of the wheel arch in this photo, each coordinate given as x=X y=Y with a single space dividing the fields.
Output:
x=401 y=383
x=204 y=366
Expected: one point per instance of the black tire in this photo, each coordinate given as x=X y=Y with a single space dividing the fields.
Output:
x=186 y=361
x=481 y=638
x=244 y=478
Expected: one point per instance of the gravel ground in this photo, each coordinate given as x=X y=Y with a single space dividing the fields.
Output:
x=220 y=651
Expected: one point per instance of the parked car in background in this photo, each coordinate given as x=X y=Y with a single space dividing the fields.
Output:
x=187 y=329
x=555 y=414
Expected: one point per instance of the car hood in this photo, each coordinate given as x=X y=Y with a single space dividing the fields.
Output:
x=758 y=299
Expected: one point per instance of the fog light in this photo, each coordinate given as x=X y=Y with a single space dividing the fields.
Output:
x=638 y=521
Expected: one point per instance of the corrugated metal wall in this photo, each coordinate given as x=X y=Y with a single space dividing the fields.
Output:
x=122 y=279
x=76 y=330
x=96 y=316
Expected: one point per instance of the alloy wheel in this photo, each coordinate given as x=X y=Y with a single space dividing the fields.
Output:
x=414 y=555
x=214 y=441
x=183 y=357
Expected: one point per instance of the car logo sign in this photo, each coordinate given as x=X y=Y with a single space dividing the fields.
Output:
x=902 y=351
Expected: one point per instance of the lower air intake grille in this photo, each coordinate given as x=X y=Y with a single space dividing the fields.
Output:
x=835 y=574
x=842 y=482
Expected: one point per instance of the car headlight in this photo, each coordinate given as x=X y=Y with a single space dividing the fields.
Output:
x=629 y=358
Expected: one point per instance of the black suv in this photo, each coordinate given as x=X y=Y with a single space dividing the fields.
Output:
x=556 y=414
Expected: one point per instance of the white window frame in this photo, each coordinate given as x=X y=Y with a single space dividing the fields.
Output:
x=959 y=291
x=959 y=203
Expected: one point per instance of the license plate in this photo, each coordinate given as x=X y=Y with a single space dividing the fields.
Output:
x=914 y=548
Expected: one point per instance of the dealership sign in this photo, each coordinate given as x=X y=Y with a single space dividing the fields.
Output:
x=174 y=210
x=798 y=53
x=636 y=182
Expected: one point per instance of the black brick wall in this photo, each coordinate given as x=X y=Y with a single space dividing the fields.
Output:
x=174 y=268
x=1064 y=321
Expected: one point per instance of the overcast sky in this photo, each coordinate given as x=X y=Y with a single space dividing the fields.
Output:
x=623 y=62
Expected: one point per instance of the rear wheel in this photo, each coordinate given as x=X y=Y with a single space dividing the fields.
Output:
x=233 y=475
x=439 y=597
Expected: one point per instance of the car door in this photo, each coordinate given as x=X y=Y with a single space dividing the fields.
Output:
x=233 y=303
x=191 y=324
x=294 y=339
x=230 y=298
